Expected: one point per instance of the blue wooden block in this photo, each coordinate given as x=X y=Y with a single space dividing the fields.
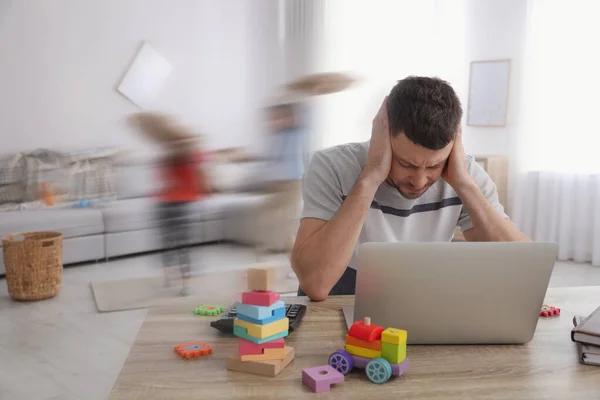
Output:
x=258 y=312
x=241 y=332
x=278 y=314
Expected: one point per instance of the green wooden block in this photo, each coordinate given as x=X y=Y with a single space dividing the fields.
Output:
x=393 y=353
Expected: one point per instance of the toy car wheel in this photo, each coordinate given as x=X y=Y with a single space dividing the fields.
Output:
x=379 y=370
x=341 y=361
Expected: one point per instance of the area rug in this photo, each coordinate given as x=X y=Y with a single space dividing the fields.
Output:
x=136 y=293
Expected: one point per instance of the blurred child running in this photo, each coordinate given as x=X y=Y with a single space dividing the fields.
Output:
x=183 y=182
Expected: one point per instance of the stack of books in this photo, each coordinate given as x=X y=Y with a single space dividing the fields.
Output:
x=586 y=334
x=261 y=326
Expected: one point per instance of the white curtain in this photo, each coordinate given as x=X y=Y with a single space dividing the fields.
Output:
x=558 y=183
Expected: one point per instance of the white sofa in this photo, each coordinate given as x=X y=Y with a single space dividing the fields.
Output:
x=129 y=224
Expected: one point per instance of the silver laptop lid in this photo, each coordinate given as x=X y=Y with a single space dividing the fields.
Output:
x=454 y=293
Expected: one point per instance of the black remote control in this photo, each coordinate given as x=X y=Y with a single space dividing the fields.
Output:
x=294 y=312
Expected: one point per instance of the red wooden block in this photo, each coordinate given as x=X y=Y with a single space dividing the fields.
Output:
x=366 y=332
x=248 y=348
x=257 y=298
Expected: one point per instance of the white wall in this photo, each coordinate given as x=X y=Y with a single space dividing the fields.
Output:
x=495 y=29
x=61 y=61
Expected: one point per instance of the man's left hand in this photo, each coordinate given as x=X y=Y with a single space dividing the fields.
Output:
x=455 y=172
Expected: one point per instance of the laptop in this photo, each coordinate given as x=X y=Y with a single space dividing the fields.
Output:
x=454 y=293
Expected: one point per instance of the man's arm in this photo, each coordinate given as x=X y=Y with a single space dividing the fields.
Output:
x=488 y=224
x=323 y=249
x=481 y=220
x=326 y=240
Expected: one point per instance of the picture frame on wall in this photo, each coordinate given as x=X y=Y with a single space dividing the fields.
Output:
x=489 y=82
x=146 y=77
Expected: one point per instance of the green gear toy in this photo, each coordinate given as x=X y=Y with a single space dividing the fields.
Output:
x=208 y=309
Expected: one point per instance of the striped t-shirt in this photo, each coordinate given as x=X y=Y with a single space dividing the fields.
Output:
x=433 y=217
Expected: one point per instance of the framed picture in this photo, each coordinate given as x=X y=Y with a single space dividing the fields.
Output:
x=488 y=93
x=146 y=77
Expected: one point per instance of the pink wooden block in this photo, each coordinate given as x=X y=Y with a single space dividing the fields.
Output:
x=248 y=348
x=257 y=298
x=319 y=379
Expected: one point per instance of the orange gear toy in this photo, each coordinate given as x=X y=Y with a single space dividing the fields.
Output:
x=193 y=349
x=548 y=311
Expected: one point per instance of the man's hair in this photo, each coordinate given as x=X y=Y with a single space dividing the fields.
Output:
x=426 y=110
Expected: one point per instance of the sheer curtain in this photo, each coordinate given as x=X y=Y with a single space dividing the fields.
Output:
x=558 y=182
x=383 y=41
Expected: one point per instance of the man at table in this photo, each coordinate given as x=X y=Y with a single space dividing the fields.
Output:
x=412 y=182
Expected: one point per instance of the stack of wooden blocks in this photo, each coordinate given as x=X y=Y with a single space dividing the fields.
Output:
x=262 y=325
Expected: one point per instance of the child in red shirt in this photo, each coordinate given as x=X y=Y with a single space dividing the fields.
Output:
x=183 y=183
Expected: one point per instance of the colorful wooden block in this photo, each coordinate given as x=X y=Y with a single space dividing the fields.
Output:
x=241 y=332
x=363 y=330
x=263 y=331
x=277 y=314
x=374 y=345
x=394 y=336
x=361 y=352
x=259 y=312
x=268 y=354
x=548 y=311
x=257 y=298
x=394 y=353
x=319 y=379
x=261 y=278
x=247 y=347
x=193 y=349
x=400 y=369
x=266 y=368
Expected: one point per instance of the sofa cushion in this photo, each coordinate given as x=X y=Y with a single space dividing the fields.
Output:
x=137 y=214
x=71 y=223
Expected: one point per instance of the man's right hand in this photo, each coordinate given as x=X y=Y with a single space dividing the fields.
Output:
x=379 y=159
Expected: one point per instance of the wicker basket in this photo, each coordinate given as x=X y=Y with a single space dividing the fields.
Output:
x=33 y=264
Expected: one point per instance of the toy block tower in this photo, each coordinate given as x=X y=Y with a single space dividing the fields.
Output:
x=262 y=326
x=364 y=339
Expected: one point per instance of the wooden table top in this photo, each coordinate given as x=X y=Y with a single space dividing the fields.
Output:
x=546 y=368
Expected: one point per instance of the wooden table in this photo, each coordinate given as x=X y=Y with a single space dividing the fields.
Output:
x=545 y=368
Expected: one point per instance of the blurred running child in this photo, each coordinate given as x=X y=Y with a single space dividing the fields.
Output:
x=183 y=182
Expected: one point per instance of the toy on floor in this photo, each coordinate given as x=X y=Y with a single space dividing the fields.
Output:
x=319 y=379
x=549 y=311
x=47 y=195
x=193 y=349
x=208 y=309
x=261 y=324
x=381 y=353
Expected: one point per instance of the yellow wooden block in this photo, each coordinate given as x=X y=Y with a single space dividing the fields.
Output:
x=268 y=354
x=264 y=331
x=394 y=336
x=362 y=352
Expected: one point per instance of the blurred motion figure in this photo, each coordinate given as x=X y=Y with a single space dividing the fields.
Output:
x=183 y=182
x=285 y=170
x=289 y=125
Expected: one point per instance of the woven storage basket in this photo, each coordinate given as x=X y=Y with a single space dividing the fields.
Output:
x=33 y=264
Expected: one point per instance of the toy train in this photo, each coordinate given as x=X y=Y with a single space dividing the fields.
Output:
x=381 y=353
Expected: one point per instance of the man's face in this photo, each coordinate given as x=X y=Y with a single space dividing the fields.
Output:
x=415 y=168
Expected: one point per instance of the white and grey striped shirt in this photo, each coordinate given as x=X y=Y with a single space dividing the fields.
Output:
x=433 y=217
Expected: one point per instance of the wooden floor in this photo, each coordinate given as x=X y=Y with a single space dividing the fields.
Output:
x=64 y=349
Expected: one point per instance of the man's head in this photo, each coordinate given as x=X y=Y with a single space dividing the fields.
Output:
x=424 y=117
